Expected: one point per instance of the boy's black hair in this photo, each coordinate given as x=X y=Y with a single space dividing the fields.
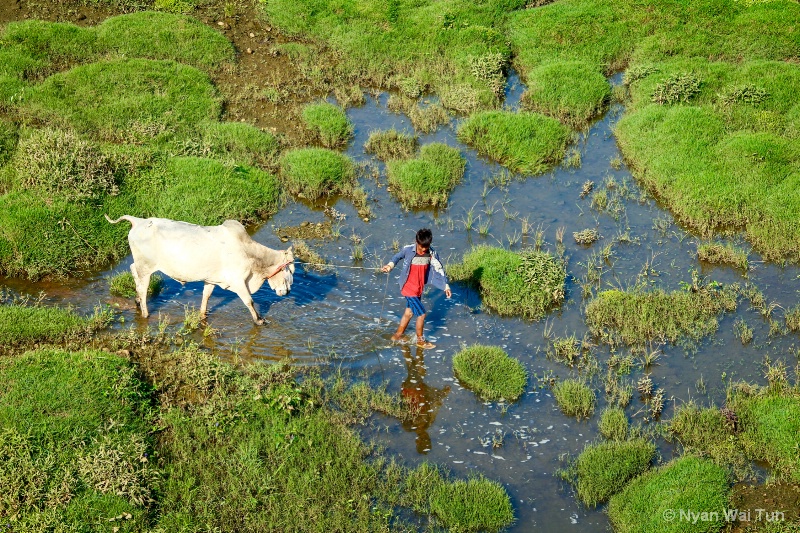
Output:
x=424 y=237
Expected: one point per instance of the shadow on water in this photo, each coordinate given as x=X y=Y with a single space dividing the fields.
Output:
x=345 y=317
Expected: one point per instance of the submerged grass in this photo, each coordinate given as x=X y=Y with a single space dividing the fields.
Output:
x=526 y=284
x=123 y=285
x=603 y=469
x=685 y=483
x=391 y=144
x=528 y=143
x=636 y=317
x=727 y=254
x=490 y=372
x=428 y=179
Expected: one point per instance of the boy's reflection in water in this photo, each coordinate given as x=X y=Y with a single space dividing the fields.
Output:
x=424 y=401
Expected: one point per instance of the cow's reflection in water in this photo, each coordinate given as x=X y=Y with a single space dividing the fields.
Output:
x=423 y=400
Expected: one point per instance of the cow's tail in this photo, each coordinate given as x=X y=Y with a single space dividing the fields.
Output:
x=129 y=218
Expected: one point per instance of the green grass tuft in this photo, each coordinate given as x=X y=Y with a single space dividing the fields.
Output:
x=770 y=423
x=59 y=163
x=329 y=122
x=575 y=398
x=122 y=285
x=603 y=469
x=574 y=92
x=239 y=142
x=153 y=35
x=428 y=179
x=184 y=187
x=528 y=143
x=391 y=144
x=526 y=284
x=708 y=432
x=314 y=172
x=613 y=423
x=688 y=483
x=637 y=317
x=473 y=505
x=490 y=372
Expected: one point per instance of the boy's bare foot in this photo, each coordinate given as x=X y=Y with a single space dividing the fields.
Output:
x=422 y=343
x=398 y=338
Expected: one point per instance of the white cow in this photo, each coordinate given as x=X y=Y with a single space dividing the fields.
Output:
x=222 y=255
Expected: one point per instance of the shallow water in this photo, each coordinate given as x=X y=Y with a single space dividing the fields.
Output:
x=344 y=318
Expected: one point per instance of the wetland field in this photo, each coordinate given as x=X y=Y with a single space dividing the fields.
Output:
x=613 y=186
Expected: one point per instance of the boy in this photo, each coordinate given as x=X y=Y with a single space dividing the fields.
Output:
x=421 y=265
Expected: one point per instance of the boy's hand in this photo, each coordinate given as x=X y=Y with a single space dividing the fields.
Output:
x=386 y=268
x=448 y=292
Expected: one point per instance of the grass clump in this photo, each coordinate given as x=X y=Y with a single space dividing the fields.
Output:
x=476 y=504
x=8 y=141
x=575 y=398
x=428 y=179
x=586 y=236
x=603 y=469
x=129 y=100
x=122 y=285
x=637 y=317
x=613 y=424
x=526 y=284
x=573 y=92
x=792 y=318
x=175 y=37
x=329 y=122
x=314 y=172
x=237 y=142
x=721 y=166
x=528 y=143
x=686 y=483
x=709 y=432
x=182 y=188
x=62 y=468
x=769 y=418
x=678 y=88
x=391 y=144
x=61 y=163
x=490 y=372
x=727 y=254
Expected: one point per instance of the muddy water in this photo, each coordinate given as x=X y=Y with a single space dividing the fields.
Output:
x=344 y=318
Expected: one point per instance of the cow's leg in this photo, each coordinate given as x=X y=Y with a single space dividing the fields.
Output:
x=208 y=288
x=142 y=280
x=244 y=294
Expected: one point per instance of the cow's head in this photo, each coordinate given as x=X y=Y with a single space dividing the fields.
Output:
x=281 y=280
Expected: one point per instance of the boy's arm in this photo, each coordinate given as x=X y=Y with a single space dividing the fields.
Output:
x=397 y=257
x=439 y=268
